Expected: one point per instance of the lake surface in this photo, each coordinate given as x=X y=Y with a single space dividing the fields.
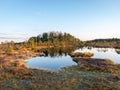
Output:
x=51 y=63
x=105 y=53
x=57 y=59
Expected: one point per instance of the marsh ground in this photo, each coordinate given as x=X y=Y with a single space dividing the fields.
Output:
x=16 y=76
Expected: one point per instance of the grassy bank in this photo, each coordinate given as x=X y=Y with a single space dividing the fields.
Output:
x=16 y=76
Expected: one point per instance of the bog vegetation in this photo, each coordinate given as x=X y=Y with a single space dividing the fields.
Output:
x=89 y=74
x=107 y=43
x=16 y=76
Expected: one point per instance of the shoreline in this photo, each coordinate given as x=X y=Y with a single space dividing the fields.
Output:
x=15 y=75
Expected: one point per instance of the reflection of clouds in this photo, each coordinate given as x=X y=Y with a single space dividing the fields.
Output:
x=103 y=53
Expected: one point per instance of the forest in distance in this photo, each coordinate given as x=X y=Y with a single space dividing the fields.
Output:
x=58 y=39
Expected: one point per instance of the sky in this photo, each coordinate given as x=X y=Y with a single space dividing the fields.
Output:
x=85 y=19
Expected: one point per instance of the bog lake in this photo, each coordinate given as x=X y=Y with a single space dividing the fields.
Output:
x=55 y=59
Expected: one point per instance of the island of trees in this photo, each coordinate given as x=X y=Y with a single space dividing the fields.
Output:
x=45 y=40
x=88 y=74
x=54 y=39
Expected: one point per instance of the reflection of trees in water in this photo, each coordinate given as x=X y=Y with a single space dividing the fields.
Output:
x=98 y=49
x=117 y=51
x=57 y=52
x=106 y=49
x=53 y=52
x=46 y=53
x=102 y=49
x=90 y=48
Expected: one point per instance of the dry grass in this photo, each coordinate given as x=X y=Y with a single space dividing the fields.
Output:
x=18 y=78
x=14 y=75
x=80 y=54
x=92 y=64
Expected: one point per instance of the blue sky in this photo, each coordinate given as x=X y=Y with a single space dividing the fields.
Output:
x=85 y=19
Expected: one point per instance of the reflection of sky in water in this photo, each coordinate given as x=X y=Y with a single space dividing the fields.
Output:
x=54 y=63
x=103 y=53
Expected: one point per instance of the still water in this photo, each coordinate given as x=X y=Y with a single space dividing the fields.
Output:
x=51 y=63
x=56 y=59
x=105 y=53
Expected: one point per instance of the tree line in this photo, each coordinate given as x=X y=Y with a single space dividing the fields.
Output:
x=110 y=43
x=54 y=39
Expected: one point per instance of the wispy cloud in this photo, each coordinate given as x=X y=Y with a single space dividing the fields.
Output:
x=4 y=34
x=12 y=38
